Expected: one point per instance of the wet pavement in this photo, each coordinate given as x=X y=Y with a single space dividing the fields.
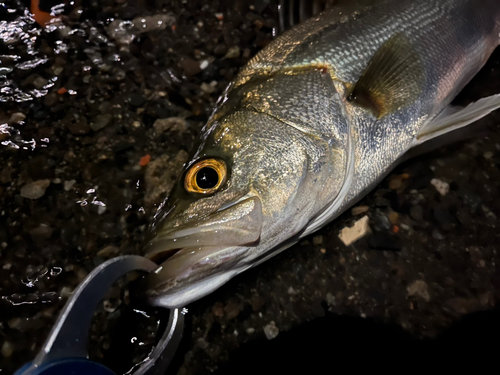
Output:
x=98 y=111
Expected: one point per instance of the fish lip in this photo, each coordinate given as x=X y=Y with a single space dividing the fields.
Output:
x=243 y=227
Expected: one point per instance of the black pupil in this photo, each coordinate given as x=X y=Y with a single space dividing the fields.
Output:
x=207 y=178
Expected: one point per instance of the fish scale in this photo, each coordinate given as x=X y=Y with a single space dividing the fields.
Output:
x=312 y=123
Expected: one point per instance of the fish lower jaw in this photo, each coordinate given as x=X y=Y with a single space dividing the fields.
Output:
x=184 y=295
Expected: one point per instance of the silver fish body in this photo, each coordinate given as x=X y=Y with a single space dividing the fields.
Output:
x=298 y=141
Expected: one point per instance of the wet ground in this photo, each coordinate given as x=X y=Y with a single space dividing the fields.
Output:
x=97 y=114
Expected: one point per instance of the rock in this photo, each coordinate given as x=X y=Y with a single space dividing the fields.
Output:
x=233 y=52
x=107 y=252
x=442 y=187
x=146 y=24
x=317 y=240
x=218 y=309
x=250 y=330
x=393 y=217
x=437 y=235
x=169 y=124
x=419 y=288
x=35 y=189
x=79 y=127
x=208 y=88
x=190 y=67
x=17 y=117
x=161 y=174
x=417 y=213
x=271 y=331
x=43 y=231
x=68 y=185
x=359 y=210
x=232 y=310
x=488 y=155
x=101 y=121
x=354 y=233
x=7 y=349
x=136 y=100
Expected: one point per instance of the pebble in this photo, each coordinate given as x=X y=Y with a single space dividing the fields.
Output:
x=35 y=189
x=233 y=52
x=393 y=217
x=136 y=100
x=42 y=231
x=437 y=235
x=68 y=184
x=317 y=240
x=419 y=288
x=7 y=349
x=79 y=128
x=488 y=155
x=442 y=187
x=107 y=252
x=271 y=331
x=417 y=213
x=101 y=121
x=190 y=67
x=232 y=310
x=17 y=117
x=177 y=124
x=359 y=210
x=250 y=330
x=358 y=230
x=218 y=309
x=208 y=88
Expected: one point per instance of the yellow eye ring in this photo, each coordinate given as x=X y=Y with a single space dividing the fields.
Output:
x=206 y=176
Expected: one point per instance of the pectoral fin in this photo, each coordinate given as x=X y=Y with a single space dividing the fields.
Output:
x=453 y=118
x=393 y=78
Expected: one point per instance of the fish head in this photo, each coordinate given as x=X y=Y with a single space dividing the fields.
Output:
x=252 y=184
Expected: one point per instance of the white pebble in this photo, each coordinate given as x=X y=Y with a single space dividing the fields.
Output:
x=271 y=331
x=442 y=187
x=358 y=230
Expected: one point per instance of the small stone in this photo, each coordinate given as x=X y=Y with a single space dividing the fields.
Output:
x=68 y=185
x=318 y=240
x=233 y=52
x=136 y=100
x=66 y=292
x=7 y=349
x=354 y=233
x=417 y=213
x=101 y=121
x=488 y=155
x=202 y=343
x=43 y=231
x=79 y=128
x=17 y=117
x=232 y=310
x=35 y=189
x=218 y=309
x=204 y=64
x=271 y=331
x=437 y=235
x=442 y=187
x=40 y=82
x=393 y=217
x=419 y=288
x=359 y=210
x=205 y=87
x=250 y=330
x=110 y=305
x=169 y=124
x=107 y=252
x=190 y=67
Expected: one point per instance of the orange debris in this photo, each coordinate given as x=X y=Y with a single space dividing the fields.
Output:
x=145 y=160
x=62 y=90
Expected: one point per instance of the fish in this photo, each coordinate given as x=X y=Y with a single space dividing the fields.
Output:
x=311 y=124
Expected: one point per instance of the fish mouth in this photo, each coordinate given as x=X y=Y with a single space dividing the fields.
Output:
x=194 y=255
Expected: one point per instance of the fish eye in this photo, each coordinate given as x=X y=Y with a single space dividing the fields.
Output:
x=206 y=176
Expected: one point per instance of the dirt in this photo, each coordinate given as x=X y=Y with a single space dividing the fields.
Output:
x=98 y=112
